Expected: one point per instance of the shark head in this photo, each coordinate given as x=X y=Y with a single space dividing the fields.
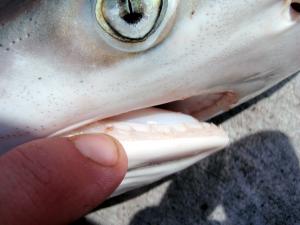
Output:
x=65 y=64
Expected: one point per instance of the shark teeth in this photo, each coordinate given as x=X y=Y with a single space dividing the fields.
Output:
x=135 y=131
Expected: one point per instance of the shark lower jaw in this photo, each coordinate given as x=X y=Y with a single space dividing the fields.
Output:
x=158 y=142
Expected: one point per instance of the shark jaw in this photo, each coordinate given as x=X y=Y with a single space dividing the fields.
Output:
x=157 y=142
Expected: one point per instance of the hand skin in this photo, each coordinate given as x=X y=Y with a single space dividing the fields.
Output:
x=58 y=180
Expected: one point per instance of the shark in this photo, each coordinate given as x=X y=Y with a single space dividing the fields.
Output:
x=147 y=72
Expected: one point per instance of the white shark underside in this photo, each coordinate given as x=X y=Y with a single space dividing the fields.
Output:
x=59 y=72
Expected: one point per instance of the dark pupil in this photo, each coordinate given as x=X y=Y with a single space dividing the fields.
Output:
x=133 y=18
x=296 y=6
x=130 y=12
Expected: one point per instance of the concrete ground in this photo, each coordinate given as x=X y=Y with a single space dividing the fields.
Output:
x=255 y=181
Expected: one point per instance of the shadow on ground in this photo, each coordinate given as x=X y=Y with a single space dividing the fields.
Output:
x=254 y=181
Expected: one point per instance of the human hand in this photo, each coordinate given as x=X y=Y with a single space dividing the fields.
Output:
x=58 y=180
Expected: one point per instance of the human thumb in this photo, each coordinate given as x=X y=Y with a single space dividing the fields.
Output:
x=58 y=180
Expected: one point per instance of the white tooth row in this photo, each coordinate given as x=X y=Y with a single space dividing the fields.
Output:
x=125 y=126
x=150 y=131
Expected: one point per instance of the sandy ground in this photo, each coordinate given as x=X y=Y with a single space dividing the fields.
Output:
x=255 y=181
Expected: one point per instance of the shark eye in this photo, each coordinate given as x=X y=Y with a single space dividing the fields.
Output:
x=129 y=24
x=129 y=20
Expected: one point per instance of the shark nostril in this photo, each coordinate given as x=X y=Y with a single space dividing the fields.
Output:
x=295 y=6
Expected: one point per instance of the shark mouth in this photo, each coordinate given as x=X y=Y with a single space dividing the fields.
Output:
x=158 y=142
